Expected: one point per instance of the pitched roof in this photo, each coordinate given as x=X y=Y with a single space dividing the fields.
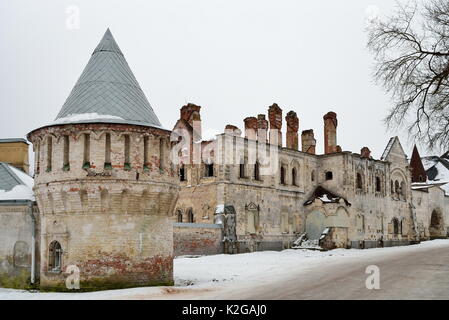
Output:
x=11 y=140
x=418 y=172
x=388 y=148
x=15 y=184
x=107 y=91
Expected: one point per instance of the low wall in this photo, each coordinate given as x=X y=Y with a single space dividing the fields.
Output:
x=197 y=239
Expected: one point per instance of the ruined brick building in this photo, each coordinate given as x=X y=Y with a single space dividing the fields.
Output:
x=274 y=193
x=118 y=195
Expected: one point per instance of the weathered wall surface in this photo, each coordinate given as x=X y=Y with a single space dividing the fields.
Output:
x=432 y=213
x=110 y=214
x=197 y=239
x=16 y=244
x=111 y=250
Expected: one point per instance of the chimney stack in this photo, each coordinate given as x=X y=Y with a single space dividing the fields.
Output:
x=330 y=133
x=233 y=130
x=250 y=128
x=262 y=128
x=308 y=141
x=292 y=130
x=275 y=118
x=191 y=114
x=365 y=153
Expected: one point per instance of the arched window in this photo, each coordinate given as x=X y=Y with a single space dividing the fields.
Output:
x=294 y=177
x=359 y=181
x=257 y=171
x=378 y=185
x=54 y=256
x=282 y=175
x=179 y=215
x=182 y=173
x=190 y=216
x=312 y=175
x=329 y=175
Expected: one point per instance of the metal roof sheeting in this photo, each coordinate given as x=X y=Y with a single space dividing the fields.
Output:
x=108 y=87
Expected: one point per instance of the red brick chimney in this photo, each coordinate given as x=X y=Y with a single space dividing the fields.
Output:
x=250 y=128
x=262 y=128
x=365 y=153
x=275 y=118
x=330 y=133
x=308 y=141
x=292 y=130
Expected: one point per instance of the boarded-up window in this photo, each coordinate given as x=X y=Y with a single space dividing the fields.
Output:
x=21 y=254
x=162 y=154
x=145 y=151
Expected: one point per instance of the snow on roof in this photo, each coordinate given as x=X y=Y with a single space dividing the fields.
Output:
x=437 y=169
x=85 y=116
x=15 y=184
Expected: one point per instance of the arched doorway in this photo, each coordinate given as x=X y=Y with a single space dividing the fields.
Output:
x=436 y=227
x=315 y=224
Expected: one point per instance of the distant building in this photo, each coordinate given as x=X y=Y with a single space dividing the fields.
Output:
x=19 y=229
x=15 y=152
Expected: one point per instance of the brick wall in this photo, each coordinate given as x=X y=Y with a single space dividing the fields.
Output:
x=197 y=239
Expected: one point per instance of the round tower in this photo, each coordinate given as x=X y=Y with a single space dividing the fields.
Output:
x=104 y=184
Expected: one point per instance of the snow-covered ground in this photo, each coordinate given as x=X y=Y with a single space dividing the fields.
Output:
x=196 y=275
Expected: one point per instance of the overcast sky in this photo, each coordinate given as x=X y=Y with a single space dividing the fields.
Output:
x=233 y=58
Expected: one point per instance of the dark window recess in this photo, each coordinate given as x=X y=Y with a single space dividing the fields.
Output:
x=378 y=185
x=329 y=175
x=282 y=175
x=209 y=170
x=182 y=173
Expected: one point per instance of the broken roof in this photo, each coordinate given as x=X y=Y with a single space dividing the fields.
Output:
x=107 y=91
x=325 y=196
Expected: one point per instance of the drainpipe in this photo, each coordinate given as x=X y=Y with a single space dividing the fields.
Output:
x=33 y=241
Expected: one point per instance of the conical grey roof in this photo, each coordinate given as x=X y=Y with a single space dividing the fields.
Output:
x=107 y=91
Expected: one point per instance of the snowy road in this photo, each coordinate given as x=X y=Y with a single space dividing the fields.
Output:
x=412 y=272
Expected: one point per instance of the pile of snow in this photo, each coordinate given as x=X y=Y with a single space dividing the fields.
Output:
x=86 y=117
x=19 y=192
x=22 y=191
x=234 y=271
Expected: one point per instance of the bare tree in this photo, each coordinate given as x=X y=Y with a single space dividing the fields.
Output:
x=411 y=50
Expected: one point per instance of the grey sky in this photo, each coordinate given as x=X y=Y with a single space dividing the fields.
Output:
x=234 y=58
